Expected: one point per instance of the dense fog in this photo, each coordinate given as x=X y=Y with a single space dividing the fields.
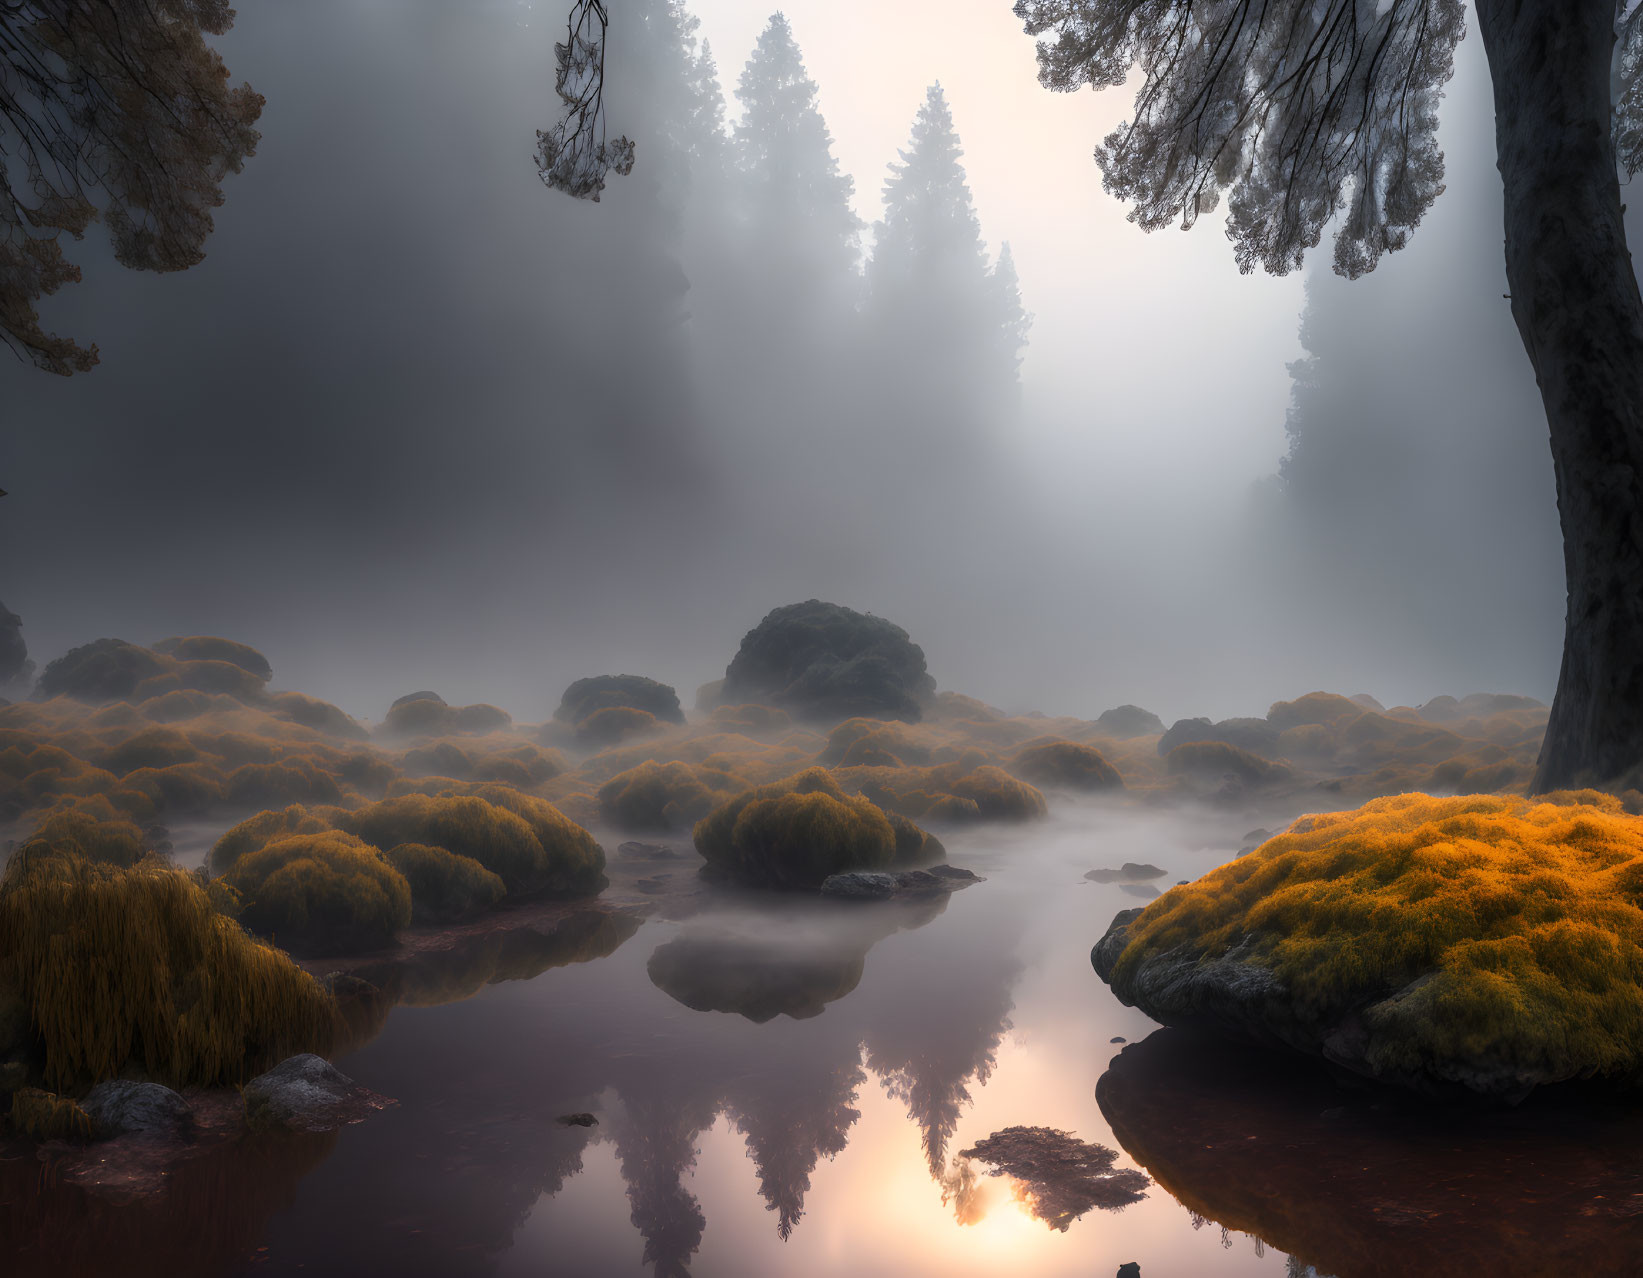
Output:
x=418 y=421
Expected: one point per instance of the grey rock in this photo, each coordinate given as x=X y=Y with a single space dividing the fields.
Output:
x=875 y=885
x=307 y=1093
x=1129 y=1269
x=860 y=885
x=577 y=1120
x=1129 y=872
x=123 y=1107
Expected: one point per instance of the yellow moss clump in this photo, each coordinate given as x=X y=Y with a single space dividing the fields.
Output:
x=1068 y=764
x=114 y=842
x=134 y=966
x=444 y=885
x=615 y=723
x=257 y=832
x=1314 y=708
x=326 y=891
x=662 y=796
x=42 y=1115
x=997 y=795
x=1217 y=759
x=526 y=841
x=1485 y=927
x=153 y=748
x=795 y=833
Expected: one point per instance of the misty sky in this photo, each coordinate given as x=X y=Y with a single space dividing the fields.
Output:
x=401 y=429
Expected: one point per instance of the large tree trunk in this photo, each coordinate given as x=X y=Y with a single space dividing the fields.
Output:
x=1576 y=303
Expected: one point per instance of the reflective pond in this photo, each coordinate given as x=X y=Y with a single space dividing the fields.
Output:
x=785 y=1086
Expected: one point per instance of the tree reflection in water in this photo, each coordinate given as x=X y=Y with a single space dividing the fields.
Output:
x=443 y=1183
x=1358 y=1183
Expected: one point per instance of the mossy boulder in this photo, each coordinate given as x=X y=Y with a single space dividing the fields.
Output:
x=326 y=892
x=607 y=692
x=614 y=724
x=211 y=648
x=1314 y=708
x=527 y=842
x=795 y=833
x=660 y=796
x=1068 y=765
x=444 y=886
x=102 y=670
x=825 y=662
x=1126 y=721
x=1256 y=736
x=1488 y=944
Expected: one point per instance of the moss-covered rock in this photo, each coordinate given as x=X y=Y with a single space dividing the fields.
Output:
x=1489 y=943
x=795 y=833
x=211 y=648
x=661 y=796
x=1126 y=721
x=624 y=691
x=525 y=841
x=443 y=885
x=326 y=892
x=102 y=670
x=1067 y=764
x=615 y=724
x=826 y=662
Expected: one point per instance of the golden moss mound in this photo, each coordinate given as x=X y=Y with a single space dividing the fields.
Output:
x=527 y=842
x=114 y=841
x=662 y=796
x=322 y=892
x=1067 y=764
x=613 y=724
x=257 y=832
x=133 y=966
x=1494 y=941
x=795 y=833
x=443 y=885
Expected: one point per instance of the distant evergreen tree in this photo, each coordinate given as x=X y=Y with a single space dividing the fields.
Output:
x=1012 y=319
x=927 y=249
x=709 y=143
x=796 y=200
x=953 y=327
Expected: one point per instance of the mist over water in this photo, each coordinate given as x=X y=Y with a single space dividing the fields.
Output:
x=419 y=422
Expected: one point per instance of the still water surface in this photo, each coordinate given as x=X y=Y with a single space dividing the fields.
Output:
x=782 y=1087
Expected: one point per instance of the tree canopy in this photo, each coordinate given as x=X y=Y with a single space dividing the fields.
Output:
x=1296 y=111
x=116 y=112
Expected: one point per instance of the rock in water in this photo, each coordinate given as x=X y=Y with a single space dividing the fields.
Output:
x=1129 y=1269
x=878 y=885
x=860 y=885
x=307 y=1093
x=122 y=1107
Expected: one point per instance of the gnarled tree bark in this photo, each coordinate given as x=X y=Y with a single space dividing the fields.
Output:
x=1576 y=302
